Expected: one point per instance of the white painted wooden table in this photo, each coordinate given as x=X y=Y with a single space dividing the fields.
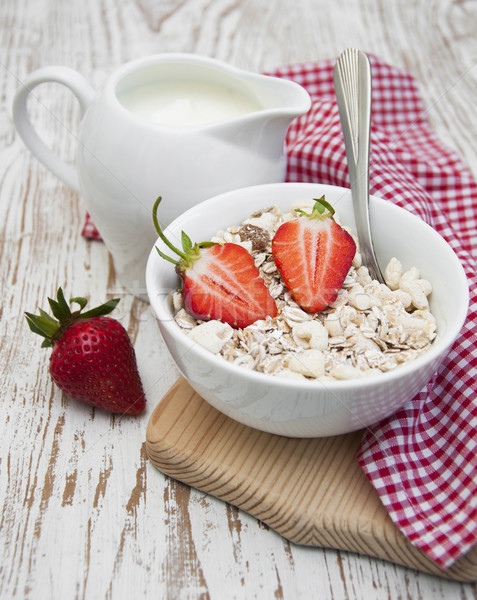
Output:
x=84 y=515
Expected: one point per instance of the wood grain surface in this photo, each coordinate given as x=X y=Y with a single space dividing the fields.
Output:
x=83 y=513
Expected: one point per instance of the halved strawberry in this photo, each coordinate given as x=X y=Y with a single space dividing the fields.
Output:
x=219 y=281
x=313 y=254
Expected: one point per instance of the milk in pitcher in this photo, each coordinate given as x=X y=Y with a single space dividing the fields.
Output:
x=186 y=103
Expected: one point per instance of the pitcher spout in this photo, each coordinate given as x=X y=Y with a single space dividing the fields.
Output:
x=263 y=131
x=280 y=97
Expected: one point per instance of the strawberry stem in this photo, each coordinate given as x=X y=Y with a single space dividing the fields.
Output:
x=163 y=237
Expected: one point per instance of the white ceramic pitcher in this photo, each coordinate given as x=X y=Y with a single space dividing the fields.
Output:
x=126 y=157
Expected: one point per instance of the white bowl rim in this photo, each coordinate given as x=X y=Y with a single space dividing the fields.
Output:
x=432 y=354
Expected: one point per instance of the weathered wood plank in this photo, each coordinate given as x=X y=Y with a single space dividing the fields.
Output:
x=83 y=514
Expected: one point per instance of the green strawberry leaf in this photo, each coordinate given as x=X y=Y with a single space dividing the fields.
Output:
x=319 y=210
x=60 y=307
x=52 y=328
x=186 y=242
x=79 y=300
x=321 y=205
x=48 y=317
x=42 y=327
x=100 y=311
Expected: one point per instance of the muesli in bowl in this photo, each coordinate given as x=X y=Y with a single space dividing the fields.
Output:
x=369 y=329
x=258 y=374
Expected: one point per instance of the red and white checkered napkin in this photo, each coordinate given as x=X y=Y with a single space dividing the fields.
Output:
x=423 y=460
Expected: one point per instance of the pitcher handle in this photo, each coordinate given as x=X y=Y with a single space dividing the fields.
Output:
x=83 y=92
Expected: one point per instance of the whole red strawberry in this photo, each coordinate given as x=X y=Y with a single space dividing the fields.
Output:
x=219 y=281
x=93 y=359
x=313 y=254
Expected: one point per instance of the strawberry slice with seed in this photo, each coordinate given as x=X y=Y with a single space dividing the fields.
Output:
x=313 y=255
x=219 y=281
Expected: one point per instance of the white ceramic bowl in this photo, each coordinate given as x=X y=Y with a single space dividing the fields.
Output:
x=312 y=408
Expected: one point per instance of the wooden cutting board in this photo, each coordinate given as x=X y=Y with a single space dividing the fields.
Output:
x=311 y=491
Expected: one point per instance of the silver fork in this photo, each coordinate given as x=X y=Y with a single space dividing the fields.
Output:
x=352 y=79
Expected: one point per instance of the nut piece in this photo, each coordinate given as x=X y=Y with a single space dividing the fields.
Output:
x=177 y=303
x=185 y=320
x=344 y=372
x=310 y=363
x=358 y=298
x=404 y=297
x=266 y=221
x=212 y=335
x=333 y=325
x=393 y=274
x=363 y=276
x=311 y=334
x=258 y=236
x=289 y=374
x=409 y=275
